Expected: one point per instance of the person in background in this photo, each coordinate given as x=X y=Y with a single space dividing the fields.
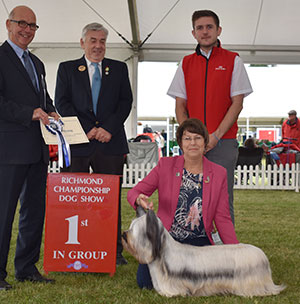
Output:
x=249 y=155
x=97 y=90
x=24 y=156
x=164 y=149
x=250 y=143
x=192 y=194
x=291 y=129
x=210 y=85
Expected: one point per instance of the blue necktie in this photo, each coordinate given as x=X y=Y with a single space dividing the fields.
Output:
x=96 y=85
x=29 y=69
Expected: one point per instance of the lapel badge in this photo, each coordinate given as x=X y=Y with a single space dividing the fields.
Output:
x=106 y=70
x=177 y=174
x=207 y=180
x=81 y=68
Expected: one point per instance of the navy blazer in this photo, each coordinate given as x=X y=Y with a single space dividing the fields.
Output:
x=73 y=97
x=21 y=141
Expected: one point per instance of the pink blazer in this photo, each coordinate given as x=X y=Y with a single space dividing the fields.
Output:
x=166 y=178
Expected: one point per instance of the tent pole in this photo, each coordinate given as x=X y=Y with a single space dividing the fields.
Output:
x=133 y=115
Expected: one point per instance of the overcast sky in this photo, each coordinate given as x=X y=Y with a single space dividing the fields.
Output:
x=276 y=90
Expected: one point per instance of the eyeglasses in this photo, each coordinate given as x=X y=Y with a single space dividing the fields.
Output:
x=23 y=24
x=195 y=138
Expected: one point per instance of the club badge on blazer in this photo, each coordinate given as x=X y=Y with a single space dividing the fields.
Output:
x=81 y=68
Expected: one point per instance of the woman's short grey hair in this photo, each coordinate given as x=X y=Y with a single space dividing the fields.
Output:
x=93 y=27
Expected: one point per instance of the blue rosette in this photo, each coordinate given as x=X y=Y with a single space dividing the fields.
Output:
x=55 y=127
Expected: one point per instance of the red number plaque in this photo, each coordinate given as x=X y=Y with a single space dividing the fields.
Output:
x=81 y=222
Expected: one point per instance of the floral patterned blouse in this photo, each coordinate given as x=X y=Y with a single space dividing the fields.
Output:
x=188 y=219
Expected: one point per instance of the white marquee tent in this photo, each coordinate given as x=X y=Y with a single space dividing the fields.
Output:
x=261 y=31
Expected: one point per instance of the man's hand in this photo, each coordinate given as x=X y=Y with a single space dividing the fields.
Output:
x=54 y=115
x=213 y=141
x=39 y=114
x=91 y=134
x=229 y=119
x=102 y=135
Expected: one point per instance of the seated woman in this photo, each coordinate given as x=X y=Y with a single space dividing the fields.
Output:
x=192 y=193
x=250 y=154
x=250 y=143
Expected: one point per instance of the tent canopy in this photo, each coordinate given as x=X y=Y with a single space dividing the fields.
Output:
x=262 y=31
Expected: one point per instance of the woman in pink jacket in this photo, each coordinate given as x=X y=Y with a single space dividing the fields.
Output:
x=192 y=194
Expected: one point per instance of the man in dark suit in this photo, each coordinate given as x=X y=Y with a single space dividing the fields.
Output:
x=24 y=157
x=97 y=90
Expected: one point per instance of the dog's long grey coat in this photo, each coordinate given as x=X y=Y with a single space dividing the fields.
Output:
x=178 y=269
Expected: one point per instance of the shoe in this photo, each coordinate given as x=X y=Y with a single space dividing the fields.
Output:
x=121 y=260
x=35 y=278
x=4 y=285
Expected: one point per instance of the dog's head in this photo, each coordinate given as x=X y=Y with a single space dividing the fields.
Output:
x=145 y=238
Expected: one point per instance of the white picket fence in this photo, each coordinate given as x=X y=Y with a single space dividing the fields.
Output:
x=274 y=178
x=53 y=167
x=132 y=174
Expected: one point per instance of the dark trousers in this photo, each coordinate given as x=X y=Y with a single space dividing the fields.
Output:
x=27 y=182
x=102 y=164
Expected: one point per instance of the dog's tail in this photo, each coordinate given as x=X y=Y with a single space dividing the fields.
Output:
x=261 y=289
x=275 y=289
x=271 y=290
x=254 y=278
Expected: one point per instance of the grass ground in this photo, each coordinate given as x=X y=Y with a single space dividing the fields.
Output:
x=267 y=219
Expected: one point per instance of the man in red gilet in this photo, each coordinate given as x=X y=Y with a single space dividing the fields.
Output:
x=210 y=85
x=291 y=129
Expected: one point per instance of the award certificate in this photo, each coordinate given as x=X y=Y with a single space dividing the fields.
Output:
x=71 y=130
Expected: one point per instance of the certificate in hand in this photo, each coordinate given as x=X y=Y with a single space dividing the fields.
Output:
x=71 y=130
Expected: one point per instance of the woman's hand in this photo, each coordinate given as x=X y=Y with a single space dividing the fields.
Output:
x=143 y=201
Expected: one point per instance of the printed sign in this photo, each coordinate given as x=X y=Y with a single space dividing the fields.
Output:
x=81 y=222
x=270 y=134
